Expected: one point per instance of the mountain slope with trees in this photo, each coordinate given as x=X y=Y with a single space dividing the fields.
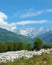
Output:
x=7 y=36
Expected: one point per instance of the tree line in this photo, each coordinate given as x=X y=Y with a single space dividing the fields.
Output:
x=14 y=46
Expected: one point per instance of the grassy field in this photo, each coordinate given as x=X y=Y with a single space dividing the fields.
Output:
x=45 y=59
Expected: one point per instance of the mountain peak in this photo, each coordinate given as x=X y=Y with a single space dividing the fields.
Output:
x=32 y=32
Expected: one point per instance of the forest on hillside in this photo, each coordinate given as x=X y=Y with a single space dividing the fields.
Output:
x=14 y=46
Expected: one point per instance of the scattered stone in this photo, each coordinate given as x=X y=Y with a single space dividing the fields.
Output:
x=13 y=55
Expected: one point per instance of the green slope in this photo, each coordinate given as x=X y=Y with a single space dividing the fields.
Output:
x=7 y=36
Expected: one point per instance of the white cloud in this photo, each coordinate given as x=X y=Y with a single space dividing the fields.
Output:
x=30 y=14
x=12 y=26
x=49 y=10
x=4 y=24
x=31 y=22
x=2 y=16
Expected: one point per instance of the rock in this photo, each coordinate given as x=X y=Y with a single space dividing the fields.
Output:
x=13 y=55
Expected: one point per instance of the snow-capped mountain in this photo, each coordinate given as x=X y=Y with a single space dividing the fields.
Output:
x=32 y=32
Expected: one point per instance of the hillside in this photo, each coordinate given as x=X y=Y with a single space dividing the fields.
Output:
x=7 y=36
x=47 y=37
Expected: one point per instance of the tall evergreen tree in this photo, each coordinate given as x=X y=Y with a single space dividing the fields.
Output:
x=38 y=44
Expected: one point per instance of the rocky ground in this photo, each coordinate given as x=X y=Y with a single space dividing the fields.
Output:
x=13 y=55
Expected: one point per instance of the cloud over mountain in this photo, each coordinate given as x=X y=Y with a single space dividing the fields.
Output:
x=12 y=26
x=3 y=22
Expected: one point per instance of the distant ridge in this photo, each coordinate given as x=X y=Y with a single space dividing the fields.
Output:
x=47 y=37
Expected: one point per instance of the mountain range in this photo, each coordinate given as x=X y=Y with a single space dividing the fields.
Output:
x=32 y=32
x=42 y=33
x=26 y=35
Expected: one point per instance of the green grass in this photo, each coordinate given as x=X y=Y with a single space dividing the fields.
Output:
x=44 y=59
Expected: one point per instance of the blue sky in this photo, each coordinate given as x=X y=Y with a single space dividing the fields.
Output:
x=26 y=13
